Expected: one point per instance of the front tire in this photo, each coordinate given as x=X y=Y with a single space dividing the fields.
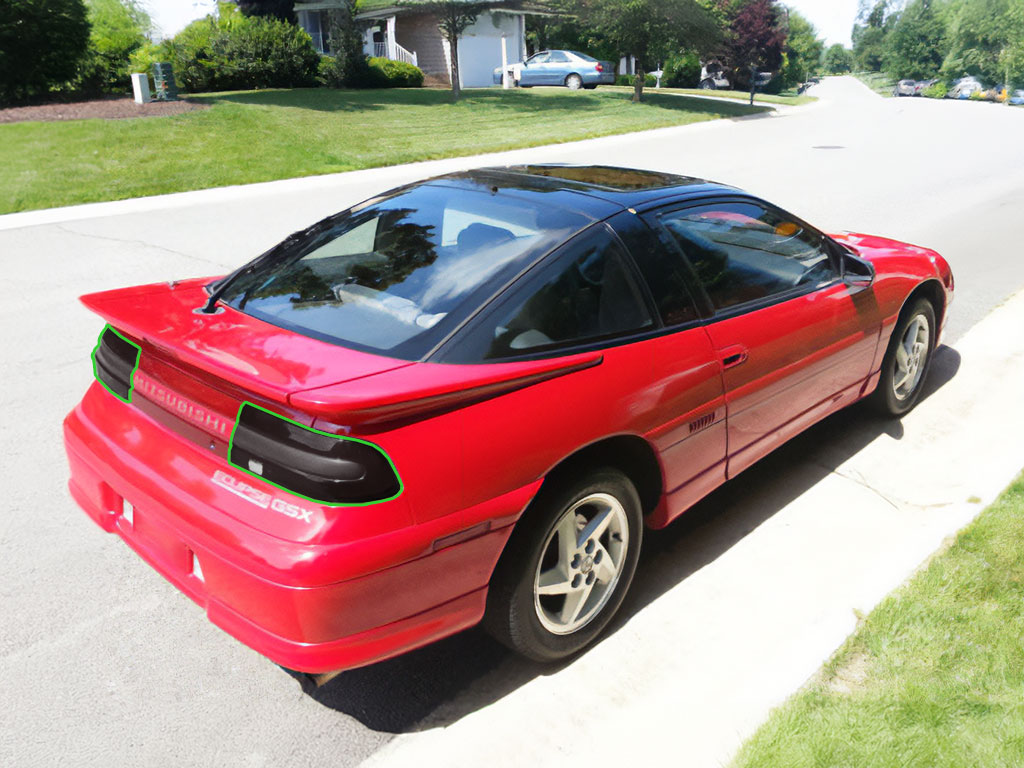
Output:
x=567 y=567
x=907 y=360
x=574 y=82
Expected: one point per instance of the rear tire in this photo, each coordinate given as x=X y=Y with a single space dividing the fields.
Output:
x=573 y=82
x=907 y=360
x=567 y=567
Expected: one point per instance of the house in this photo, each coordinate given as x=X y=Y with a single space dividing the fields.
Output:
x=406 y=31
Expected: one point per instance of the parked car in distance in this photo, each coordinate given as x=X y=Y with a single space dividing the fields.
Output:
x=922 y=85
x=997 y=94
x=712 y=77
x=905 y=88
x=572 y=69
x=964 y=88
x=1017 y=97
x=466 y=398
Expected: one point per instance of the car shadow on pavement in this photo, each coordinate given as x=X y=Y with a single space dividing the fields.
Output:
x=437 y=685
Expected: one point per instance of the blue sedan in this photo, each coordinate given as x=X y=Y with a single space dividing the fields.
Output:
x=569 y=68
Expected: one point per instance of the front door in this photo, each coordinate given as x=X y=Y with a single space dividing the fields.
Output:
x=793 y=340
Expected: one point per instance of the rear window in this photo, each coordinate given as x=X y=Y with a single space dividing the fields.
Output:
x=395 y=277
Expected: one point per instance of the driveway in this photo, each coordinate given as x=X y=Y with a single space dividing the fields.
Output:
x=103 y=663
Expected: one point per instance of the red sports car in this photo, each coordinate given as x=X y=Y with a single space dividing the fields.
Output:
x=464 y=399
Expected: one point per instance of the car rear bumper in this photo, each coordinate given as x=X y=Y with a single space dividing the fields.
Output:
x=292 y=619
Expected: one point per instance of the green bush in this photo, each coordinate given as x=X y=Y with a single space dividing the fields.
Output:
x=396 y=74
x=41 y=45
x=649 y=80
x=682 y=71
x=235 y=52
x=118 y=29
x=936 y=91
x=977 y=96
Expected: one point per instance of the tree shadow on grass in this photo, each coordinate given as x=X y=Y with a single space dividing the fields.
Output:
x=534 y=100
x=441 y=683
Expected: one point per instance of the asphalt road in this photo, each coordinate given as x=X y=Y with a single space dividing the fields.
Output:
x=103 y=663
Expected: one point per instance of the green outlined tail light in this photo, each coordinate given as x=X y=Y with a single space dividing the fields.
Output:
x=114 y=362
x=321 y=467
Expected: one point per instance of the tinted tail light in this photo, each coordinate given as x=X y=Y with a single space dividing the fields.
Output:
x=114 y=362
x=329 y=469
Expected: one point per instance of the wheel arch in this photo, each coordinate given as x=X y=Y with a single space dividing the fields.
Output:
x=933 y=291
x=631 y=454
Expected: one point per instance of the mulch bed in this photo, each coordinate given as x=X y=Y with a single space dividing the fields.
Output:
x=106 y=109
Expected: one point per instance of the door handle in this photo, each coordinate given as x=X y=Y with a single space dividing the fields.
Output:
x=733 y=356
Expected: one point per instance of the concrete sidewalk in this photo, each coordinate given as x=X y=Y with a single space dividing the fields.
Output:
x=791 y=564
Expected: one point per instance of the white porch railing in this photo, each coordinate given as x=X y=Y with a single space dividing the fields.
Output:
x=398 y=54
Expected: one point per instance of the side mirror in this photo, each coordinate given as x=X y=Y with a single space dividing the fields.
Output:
x=858 y=273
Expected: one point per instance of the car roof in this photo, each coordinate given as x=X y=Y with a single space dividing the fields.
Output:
x=590 y=188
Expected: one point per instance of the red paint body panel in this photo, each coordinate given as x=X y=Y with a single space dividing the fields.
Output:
x=472 y=444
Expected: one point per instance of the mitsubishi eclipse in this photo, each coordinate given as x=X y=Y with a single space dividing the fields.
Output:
x=464 y=400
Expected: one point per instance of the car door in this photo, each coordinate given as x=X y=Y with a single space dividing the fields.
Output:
x=793 y=340
x=533 y=70
x=685 y=394
x=556 y=68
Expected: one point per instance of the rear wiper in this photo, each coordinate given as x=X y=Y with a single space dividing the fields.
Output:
x=210 y=307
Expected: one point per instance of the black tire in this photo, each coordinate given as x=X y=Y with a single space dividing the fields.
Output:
x=890 y=398
x=573 y=82
x=514 y=611
x=589 y=87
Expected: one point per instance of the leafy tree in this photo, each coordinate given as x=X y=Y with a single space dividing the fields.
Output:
x=282 y=10
x=118 y=29
x=915 y=47
x=650 y=30
x=983 y=36
x=755 y=39
x=348 y=66
x=869 y=34
x=804 y=50
x=41 y=44
x=838 y=60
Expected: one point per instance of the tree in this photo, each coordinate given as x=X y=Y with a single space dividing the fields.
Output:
x=453 y=17
x=649 y=30
x=755 y=39
x=349 y=67
x=118 y=29
x=915 y=47
x=804 y=50
x=282 y=10
x=41 y=43
x=980 y=31
x=869 y=34
x=838 y=60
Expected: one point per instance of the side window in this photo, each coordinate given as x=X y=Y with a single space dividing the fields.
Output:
x=585 y=294
x=538 y=58
x=557 y=57
x=745 y=252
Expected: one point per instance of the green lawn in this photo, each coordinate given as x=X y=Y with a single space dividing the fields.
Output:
x=934 y=677
x=265 y=135
x=788 y=98
x=878 y=82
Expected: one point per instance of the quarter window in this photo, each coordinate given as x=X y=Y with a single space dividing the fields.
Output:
x=743 y=252
x=586 y=294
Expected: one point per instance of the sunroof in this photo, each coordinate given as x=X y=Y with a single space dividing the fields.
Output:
x=607 y=176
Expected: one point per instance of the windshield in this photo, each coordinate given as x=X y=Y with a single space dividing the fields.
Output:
x=397 y=276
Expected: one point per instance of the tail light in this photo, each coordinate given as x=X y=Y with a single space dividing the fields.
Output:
x=325 y=468
x=114 y=362
x=599 y=67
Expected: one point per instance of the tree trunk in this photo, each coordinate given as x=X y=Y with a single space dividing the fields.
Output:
x=638 y=85
x=453 y=45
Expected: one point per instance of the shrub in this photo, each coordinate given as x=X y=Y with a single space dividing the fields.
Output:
x=936 y=91
x=976 y=96
x=649 y=80
x=396 y=74
x=682 y=71
x=234 y=52
x=118 y=29
x=41 y=44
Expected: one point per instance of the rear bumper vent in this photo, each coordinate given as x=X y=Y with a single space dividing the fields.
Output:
x=325 y=468
x=114 y=362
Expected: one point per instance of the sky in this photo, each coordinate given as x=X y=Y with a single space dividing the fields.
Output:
x=832 y=18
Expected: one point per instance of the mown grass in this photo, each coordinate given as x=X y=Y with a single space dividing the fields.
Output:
x=266 y=135
x=935 y=675
x=787 y=98
x=879 y=82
